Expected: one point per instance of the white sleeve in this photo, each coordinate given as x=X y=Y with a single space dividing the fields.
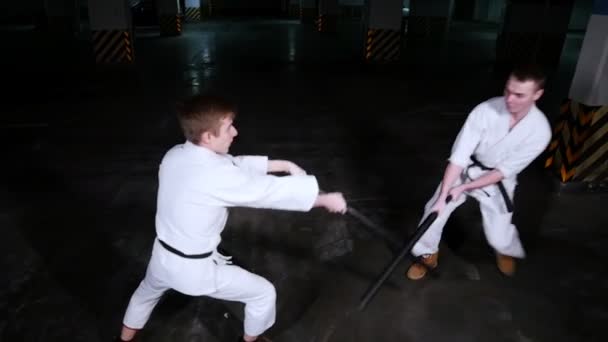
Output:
x=468 y=138
x=252 y=164
x=230 y=186
x=525 y=152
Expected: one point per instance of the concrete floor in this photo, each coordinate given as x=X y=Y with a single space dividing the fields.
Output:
x=82 y=147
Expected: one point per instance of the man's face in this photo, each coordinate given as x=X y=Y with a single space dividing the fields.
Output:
x=221 y=142
x=520 y=96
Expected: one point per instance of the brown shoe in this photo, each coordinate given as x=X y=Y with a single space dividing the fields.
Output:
x=506 y=264
x=418 y=271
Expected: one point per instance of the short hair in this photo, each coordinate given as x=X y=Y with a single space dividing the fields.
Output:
x=203 y=113
x=530 y=72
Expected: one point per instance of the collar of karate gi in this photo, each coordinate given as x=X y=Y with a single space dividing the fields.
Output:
x=198 y=149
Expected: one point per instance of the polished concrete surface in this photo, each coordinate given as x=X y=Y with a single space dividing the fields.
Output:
x=81 y=151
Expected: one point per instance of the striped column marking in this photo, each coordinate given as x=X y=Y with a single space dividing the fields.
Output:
x=170 y=25
x=579 y=148
x=113 y=47
x=382 y=45
x=192 y=14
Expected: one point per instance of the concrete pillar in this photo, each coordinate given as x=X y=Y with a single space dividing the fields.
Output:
x=308 y=11
x=112 y=31
x=429 y=19
x=62 y=16
x=533 y=31
x=581 y=12
x=590 y=82
x=578 y=153
x=328 y=15
x=193 y=10
x=169 y=17
x=384 y=34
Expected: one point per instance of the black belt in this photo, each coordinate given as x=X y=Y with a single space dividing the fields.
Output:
x=500 y=185
x=182 y=254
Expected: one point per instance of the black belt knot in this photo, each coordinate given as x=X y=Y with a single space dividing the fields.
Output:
x=500 y=185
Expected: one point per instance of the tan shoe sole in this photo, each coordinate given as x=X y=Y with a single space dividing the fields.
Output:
x=418 y=271
x=506 y=265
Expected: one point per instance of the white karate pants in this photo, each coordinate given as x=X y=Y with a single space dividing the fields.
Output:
x=232 y=283
x=500 y=233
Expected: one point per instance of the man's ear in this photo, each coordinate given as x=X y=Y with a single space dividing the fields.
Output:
x=538 y=94
x=206 y=137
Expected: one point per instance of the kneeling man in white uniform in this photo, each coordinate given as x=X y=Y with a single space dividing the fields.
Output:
x=198 y=181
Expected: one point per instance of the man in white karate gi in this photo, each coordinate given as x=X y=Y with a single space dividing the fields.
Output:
x=499 y=139
x=198 y=181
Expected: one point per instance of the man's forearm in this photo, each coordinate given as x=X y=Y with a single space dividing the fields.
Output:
x=320 y=201
x=278 y=166
x=451 y=174
x=489 y=178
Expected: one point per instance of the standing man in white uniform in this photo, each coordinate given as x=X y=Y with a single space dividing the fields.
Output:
x=198 y=181
x=499 y=139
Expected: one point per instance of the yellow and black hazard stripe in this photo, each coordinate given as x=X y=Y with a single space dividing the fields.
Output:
x=579 y=149
x=192 y=14
x=326 y=23
x=170 y=25
x=113 y=47
x=382 y=45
